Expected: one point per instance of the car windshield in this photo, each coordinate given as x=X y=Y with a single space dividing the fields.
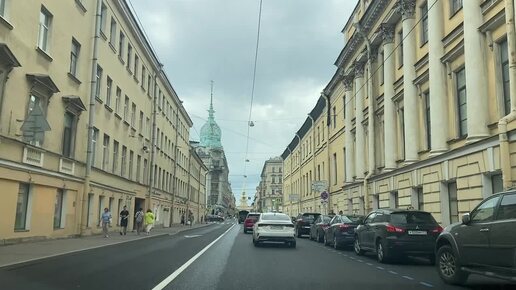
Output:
x=275 y=217
x=400 y=218
x=353 y=218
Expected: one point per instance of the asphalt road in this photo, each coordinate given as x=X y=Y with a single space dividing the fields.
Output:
x=228 y=260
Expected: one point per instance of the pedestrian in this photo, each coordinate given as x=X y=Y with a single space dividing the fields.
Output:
x=341 y=212
x=105 y=219
x=149 y=221
x=183 y=219
x=124 y=219
x=191 y=219
x=139 y=220
x=202 y=219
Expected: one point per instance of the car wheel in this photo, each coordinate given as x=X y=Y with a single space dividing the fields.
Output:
x=245 y=231
x=335 y=244
x=357 y=248
x=382 y=253
x=448 y=266
x=298 y=234
x=293 y=244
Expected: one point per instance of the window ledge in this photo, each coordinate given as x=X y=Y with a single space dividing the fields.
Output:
x=99 y=100
x=140 y=134
x=118 y=116
x=108 y=108
x=21 y=231
x=133 y=130
x=136 y=79
x=456 y=139
x=74 y=78
x=6 y=23
x=121 y=59
x=80 y=5
x=129 y=70
x=103 y=35
x=126 y=123
x=455 y=13
x=424 y=151
x=44 y=54
x=112 y=47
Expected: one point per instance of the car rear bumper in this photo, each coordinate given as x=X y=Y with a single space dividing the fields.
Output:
x=267 y=238
x=345 y=239
x=411 y=247
x=304 y=230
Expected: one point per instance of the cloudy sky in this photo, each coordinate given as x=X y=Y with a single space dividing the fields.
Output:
x=203 y=40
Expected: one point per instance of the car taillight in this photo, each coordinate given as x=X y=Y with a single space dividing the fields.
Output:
x=437 y=230
x=344 y=227
x=392 y=229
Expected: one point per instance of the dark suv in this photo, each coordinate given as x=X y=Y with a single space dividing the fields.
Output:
x=303 y=223
x=395 y=233
x=484 y=243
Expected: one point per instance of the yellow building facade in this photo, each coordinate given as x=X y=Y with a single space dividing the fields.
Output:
x=88 y=120
x=419 y=112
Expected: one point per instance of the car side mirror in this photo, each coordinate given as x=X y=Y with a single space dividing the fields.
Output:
x=466 y=219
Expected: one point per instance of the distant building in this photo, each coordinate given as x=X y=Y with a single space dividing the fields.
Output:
x=210 y=150
x=270 y=196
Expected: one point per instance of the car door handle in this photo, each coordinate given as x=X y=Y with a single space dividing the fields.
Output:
x=484 y=230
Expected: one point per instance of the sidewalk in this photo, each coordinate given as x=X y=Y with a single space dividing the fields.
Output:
x=24 y=252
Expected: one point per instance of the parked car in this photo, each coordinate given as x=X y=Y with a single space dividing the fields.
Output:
x=214 y=218
x=395 y=233
x=274 y=227
x=249 y=221
x=242 y=215
x=484 y=243
x=303 y=223
x=318 y=227
x=341 y=231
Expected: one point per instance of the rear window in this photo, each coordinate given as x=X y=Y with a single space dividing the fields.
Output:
x=353 y=218
x=326 y=219
x=253 y=216
x=412 y=218
x=275 y=217
x=309 y=217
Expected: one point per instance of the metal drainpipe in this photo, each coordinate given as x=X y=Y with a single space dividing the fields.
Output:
x=328 y=105
x=83 y=206
x=290 y=178
x=153 y=142
x=300 y=162
x=505 y=152
x=188 y=189
x=174 y=186
x=313 y=157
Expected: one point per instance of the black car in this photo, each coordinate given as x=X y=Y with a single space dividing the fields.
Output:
x=341 y=231
x=397 y=233
x=318 y=227
x=303 y=223
x=484 y=243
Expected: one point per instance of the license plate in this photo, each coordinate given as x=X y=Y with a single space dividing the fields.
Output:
x=417 y=233
x=277 y=227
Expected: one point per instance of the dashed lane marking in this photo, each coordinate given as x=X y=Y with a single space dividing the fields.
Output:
x=380 y=268
x=408 y=278
x=360 y=261
x=426 y=284
x=393 y=272
x=369 y=264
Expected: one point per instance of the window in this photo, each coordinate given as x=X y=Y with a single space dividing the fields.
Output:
x=131 y=157
x=69 y=134
x=145 y=172
x=126 y=108
x=148 y=127
x=381 y=68
x=121 y=43
x=123 y=164
x=136 y=65
x=118 y=99
x=138 y=164
x=394 y=199
x=148 y=85
x=115 y=156
x=428 y=124
x=485 y=212
x=58 y=209
x=109 y=88
x=462 y=103
x=99 y=81
x=496 y=183
x=455 y=5
x=45 y=27
x=141 y=122
x=129 y=56
x=504 y=61
x=105 y=152
x=420 y=198
x=401 y=131
x=2 y=8
x=94 y=145
x=22 y=207
x=112 y=36
x=334 y=168
x=424 y=23
x=103 y=17
x=74 y=56
x=334 y=117
x=143 y=77
x=400 y=48
x=101 y=205
x=507 y=209
x=453 y=202
x=133 y=115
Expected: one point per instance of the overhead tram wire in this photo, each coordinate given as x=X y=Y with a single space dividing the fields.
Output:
x=252 y=92
x=383 y=62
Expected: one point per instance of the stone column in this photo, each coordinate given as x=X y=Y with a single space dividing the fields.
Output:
x=348 y=88
x=407 y=10
x=437 y=74
x=388 y=93
x=476 y=84
x=359 y=118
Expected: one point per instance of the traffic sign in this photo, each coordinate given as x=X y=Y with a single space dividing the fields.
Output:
x=320 y=185
x=325 y=195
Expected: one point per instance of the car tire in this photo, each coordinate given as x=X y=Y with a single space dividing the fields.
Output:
x=298 y=234
x=256 y=243
x=245 y=231
x=356 y=247
x=382 y=254
x=291 y=244
x=335 y=244
x=448 y=266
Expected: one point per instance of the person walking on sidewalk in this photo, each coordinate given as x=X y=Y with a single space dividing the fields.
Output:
x=124 y=219
x=139 y=216
x=183 y=219
x=149 y=221
x=105 y=219
x=190 y=219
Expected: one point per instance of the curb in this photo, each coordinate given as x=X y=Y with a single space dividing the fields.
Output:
x=100 y=246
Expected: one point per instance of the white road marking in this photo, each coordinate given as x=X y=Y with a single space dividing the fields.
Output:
x=176 y=273
x=360 y=261
x=369 y=264
x=380 y=268
x=392 y=272
x=193 y=236
x=408 y=278
x=426 y=284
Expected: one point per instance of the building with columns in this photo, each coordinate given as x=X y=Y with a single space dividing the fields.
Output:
x=271 y=186
x=419 y=113
x=88 y=120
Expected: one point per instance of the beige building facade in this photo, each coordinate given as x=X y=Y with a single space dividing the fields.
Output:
x=419 y=112
x=270 y=188
x=88 y=120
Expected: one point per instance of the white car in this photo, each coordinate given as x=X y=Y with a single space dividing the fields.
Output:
x=274 y=227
